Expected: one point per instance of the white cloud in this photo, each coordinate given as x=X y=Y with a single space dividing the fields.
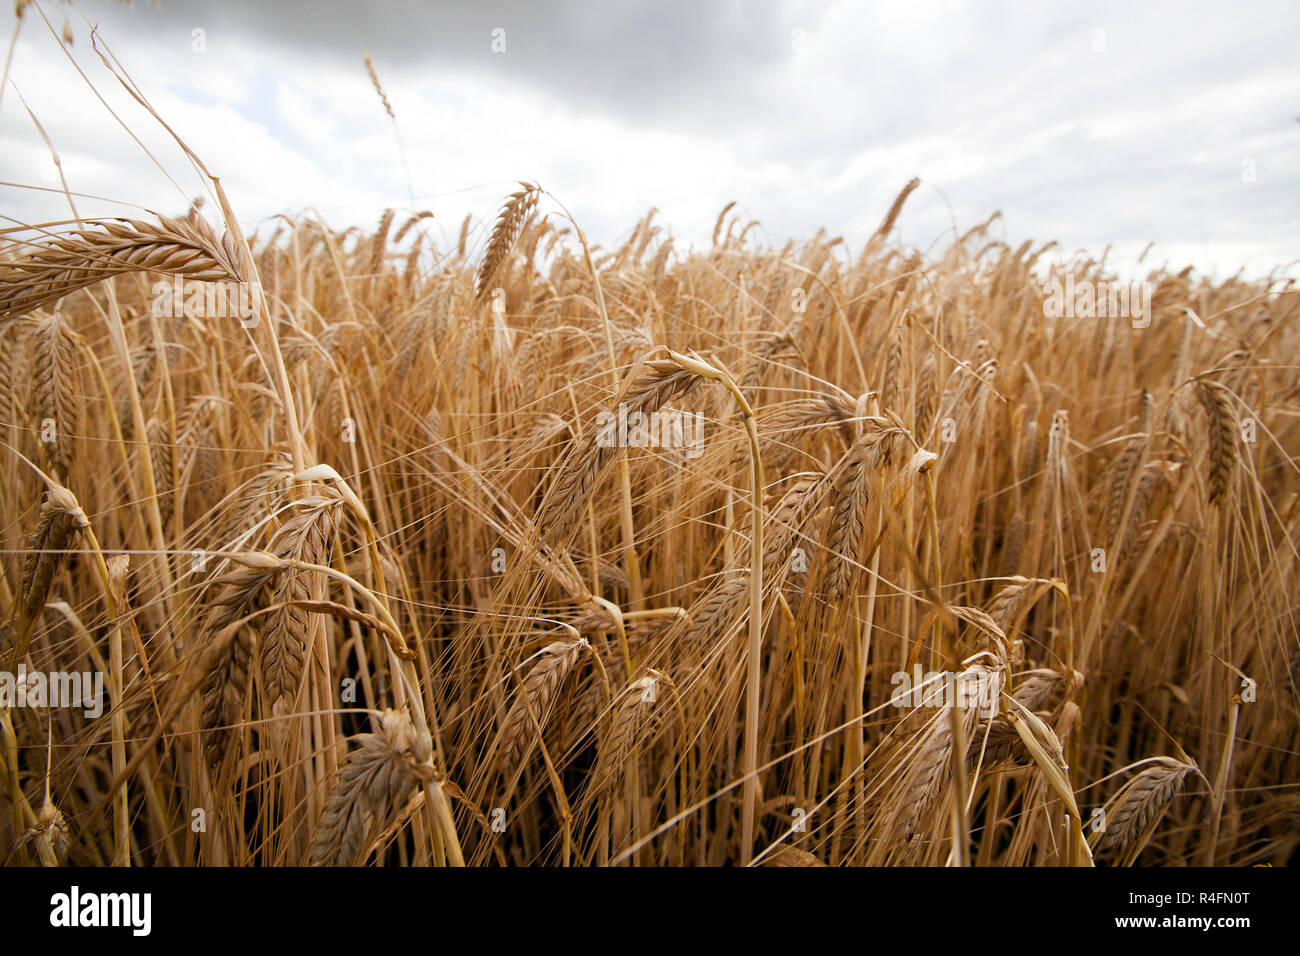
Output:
x=1000 y=106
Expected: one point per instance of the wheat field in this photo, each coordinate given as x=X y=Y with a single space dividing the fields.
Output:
x=521 y=551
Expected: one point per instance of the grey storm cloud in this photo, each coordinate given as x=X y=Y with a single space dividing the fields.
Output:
x=1001 y=105
x=640 y=57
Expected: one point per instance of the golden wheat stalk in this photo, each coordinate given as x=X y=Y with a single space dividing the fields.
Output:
x=537 y=699
x=64 y=264
x=377 y=777
x=1136 y=808
x=515 y=213
x=308 y=537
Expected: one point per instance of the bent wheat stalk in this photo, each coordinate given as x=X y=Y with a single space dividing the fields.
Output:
x=753 y=687
x=112 y=247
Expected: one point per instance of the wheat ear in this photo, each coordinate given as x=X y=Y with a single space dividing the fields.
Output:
x=510 y=223
x=376 y=777
x=112 y=247
x=1132 y=813
x=540 y=688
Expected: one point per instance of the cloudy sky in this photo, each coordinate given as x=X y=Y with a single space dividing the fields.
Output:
x=1088 y=123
